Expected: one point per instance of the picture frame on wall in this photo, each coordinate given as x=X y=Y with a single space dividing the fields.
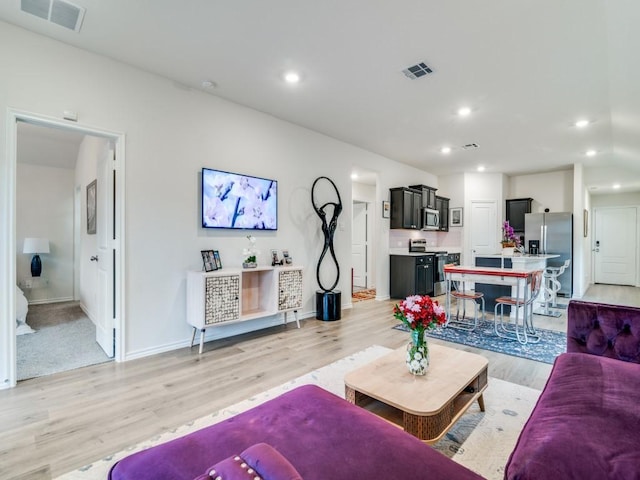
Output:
x=92 y=207
x=208 y=260
x=386 y=209
x=586 y=223
x=216 y=257
x=455 y=217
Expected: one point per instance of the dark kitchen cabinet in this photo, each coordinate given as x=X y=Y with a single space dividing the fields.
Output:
x=516 y=209
x=442 y=205
x=406 y=208
x=410 y=275
x=428 y=196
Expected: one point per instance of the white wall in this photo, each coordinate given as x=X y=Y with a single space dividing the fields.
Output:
x=552 y=190
x=44 y=208
x=616 y=200
x=171 y=134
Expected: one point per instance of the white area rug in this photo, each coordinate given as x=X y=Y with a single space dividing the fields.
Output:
x=479 y=441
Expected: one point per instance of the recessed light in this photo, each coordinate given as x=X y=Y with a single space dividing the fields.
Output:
x=354 y=176
x=481 y=168
x=464 y=111
x=209 y=84
x=616 y=186
x=590 y=153
x=445 y=150
x=582 y=123
x=291 y=77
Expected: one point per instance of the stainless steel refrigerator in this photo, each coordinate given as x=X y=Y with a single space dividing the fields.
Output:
x=554 y=232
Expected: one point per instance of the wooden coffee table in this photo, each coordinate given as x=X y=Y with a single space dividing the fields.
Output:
x=425 y=406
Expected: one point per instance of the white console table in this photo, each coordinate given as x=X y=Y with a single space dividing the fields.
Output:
x=230 y=296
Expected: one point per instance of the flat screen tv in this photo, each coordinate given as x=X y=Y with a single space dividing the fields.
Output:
x=232 y=200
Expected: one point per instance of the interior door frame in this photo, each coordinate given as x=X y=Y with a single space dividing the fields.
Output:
x=8 y=235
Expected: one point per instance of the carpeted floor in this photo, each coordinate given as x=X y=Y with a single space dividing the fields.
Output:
x=551 y=343
x=479 y=441
x=363 y=295
x=64 y=339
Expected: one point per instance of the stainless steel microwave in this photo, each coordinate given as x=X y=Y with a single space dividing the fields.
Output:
x=430 y=219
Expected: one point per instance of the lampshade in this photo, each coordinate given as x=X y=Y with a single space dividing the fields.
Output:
x=36 y=245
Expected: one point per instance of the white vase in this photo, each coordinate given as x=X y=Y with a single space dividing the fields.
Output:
x=508 y=251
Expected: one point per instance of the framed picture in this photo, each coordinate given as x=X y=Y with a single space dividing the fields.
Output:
x=287 y=259
x=91 y=207
x=455 y=217
x=216 y=257
x=208 y=260
x=586 y=223
x=386 y=209
x=274 y=258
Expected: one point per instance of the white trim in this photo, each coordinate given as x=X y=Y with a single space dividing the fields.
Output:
x=8 y=226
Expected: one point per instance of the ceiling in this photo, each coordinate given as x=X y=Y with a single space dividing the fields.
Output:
x=527 y=69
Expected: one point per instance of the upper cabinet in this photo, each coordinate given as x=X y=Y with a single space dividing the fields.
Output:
x=516 y=209
x=406 y=208
x=428 y=196
x=442 y=205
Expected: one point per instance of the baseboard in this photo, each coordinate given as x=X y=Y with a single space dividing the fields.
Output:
x=382 y=298
x=87 y=313
x=216 y=333
x=50 y=300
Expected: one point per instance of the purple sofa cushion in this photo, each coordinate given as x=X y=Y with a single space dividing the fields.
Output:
x=586 y=424
x=611 y=331
x=321 y=435
x=258 y=461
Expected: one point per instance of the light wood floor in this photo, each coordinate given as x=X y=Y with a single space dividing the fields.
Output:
x=55 y=424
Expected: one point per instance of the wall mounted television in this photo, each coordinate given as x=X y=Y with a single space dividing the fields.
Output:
x=232 y=200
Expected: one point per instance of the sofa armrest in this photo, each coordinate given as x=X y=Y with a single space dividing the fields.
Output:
x=606 y=330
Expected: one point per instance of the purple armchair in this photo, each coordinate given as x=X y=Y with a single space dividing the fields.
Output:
x=586 y=424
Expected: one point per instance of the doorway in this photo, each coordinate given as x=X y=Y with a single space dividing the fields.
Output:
x=65 y=290
x=615 y=245
x=363 y=189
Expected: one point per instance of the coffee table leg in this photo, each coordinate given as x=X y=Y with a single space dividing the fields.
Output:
x=481 y=402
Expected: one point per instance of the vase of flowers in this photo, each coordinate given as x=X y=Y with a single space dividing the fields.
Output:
x=509 y=239
x=419 y=313
x=250 y=260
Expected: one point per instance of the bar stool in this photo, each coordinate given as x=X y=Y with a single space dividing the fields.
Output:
x=512 y=332
x=463 y=296
x=551 y=288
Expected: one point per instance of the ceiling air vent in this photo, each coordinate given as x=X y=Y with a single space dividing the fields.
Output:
x=470 y=146
x=417 y=71
x=59 y=12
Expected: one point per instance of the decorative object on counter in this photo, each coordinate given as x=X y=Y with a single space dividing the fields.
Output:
x=216 y=256
x=386 y=209
x=419 y=313
x=251 y=252
x=288 y=260
x=328 y=300
x=455 y=217
x=208 y=260
x=274 y=258
x=509 y=239
x=36 y=246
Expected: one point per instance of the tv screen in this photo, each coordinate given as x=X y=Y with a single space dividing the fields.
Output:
x=231 y=200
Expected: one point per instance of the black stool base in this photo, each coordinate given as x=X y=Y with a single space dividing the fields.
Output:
x=328 y=305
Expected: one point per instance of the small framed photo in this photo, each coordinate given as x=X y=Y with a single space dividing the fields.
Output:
x=455 y=217
x=274 y=258
x=386 y=209
x=92 y=200
x=216 y=258
x=208 y=261
x=287 y=259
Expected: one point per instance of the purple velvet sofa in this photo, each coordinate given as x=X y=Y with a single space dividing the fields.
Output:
x=306 y=433
x=586 y=424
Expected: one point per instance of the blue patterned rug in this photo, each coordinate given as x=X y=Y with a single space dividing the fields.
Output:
x=550 y=346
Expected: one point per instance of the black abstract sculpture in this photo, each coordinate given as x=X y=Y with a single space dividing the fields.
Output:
x=327 y=300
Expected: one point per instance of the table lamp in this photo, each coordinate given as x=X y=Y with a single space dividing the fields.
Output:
x=36 y=246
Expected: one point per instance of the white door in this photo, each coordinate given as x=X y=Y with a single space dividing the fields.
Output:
x=615 y=245
x=484 y=227
x=359 y=245
x=104 y=231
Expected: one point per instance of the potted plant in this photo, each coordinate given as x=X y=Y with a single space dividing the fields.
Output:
x=509 y=239
x=251 y=252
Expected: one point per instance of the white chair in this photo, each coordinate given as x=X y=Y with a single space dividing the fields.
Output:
x=551 y=288
x=462 y=296
x=512 y=331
